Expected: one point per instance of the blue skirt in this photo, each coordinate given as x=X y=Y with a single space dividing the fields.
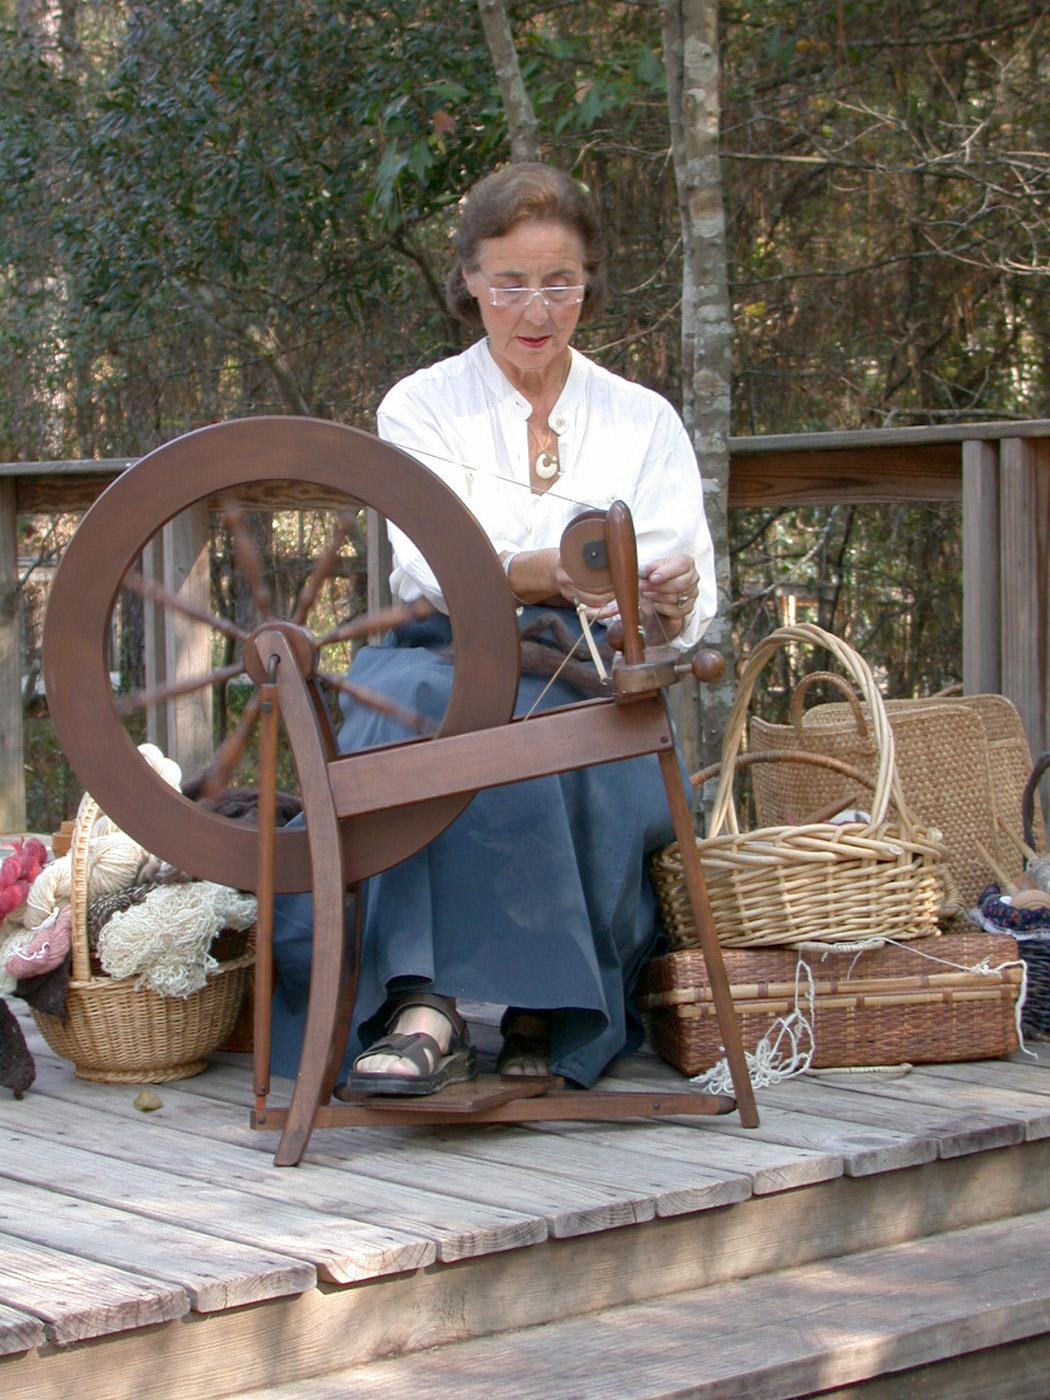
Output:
x=537 y=895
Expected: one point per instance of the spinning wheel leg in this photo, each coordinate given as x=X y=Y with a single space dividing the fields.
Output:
x=709 y=944
x=267 y=818
x=327 y=1007
x=345 y=1007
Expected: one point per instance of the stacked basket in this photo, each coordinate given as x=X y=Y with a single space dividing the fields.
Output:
x=856 y=902
x=119 y=1032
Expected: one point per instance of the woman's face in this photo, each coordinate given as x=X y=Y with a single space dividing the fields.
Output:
x=529 y=342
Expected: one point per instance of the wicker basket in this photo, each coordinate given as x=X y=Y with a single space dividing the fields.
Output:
x=820 y=881
x=962 y=763
x=881 y=1007
x=119 y=1033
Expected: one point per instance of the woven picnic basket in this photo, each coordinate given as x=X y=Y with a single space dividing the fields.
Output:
x=819 y=880
x=925 y=1002
x=119 y=1033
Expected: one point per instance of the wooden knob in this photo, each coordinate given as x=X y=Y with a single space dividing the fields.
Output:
x=708 y=665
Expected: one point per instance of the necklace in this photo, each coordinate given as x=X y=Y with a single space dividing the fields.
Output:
x=547 y=465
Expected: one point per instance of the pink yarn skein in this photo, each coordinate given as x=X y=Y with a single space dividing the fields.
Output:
x=17 y=873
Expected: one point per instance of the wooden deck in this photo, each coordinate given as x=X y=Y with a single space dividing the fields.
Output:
x=869 y=1227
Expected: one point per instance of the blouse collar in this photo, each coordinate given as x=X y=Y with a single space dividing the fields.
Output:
x=516 y=403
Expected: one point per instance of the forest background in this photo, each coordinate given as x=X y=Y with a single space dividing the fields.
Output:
x=216 y=208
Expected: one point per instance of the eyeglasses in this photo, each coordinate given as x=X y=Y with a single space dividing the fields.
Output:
x=521 y=297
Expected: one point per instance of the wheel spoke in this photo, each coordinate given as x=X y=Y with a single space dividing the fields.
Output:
x=323 y=568
x=378 y=621
x=143 y=699
x=247 y=556
x=215 y=776
x=411 y=719
x=156 y=593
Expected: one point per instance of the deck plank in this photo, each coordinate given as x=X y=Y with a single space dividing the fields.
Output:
x=864 y=1150
x=1029 y=1076
x=956 y=1131
x=341 y=1250
x=674 y=1186
x=215 y=1274
x=19 y=1331
x=773 y=1165
x=205 y=1141
x=77 y=1298
x=770 y=1166
x=1030 y=1110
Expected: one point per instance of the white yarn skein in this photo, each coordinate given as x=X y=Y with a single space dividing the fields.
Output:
x=166 y=938
x=113 y=863
x=114 y=860
x=8 y=982
x=168 y=769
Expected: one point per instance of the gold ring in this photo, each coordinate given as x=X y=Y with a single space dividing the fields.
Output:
x=683 y=598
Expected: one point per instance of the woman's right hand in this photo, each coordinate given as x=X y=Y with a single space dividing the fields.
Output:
x=537 y=576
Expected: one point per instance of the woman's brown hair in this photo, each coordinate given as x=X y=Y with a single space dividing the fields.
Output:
x=526 y=190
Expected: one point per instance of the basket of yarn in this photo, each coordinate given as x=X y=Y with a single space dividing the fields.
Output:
x=150 y=999
x=838 y=877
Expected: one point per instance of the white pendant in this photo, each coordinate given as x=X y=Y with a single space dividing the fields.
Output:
x=547 y=467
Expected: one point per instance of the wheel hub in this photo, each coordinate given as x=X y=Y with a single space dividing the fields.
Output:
x=301 y=640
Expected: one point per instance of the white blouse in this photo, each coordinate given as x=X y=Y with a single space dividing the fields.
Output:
x=616 y=441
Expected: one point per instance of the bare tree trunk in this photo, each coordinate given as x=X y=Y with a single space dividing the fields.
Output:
x=521 y=119
x=690 y=30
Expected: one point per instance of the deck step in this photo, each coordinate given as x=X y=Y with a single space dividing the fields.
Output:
x=826 y=1327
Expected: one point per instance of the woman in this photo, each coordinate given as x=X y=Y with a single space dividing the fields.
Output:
x=537 y=897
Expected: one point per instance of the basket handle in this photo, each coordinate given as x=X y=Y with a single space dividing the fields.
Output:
x=79 y=847
x=887 y=783
x=817 y=760
x=829 y=678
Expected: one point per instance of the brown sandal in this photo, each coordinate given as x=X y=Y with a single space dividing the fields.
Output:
x=437 y=1067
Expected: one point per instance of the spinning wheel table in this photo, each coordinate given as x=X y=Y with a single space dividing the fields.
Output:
x=368 y=810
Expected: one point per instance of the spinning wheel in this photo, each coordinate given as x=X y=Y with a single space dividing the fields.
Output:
x=368 y=810
x=213 y=463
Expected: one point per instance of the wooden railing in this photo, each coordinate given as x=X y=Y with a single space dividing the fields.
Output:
x=1000 y=472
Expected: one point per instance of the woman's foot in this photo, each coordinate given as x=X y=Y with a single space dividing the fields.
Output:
x=526 y=1045
x=426 y=1047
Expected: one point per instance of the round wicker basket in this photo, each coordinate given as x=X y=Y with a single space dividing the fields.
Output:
x=821 y=881
x=119 y=1033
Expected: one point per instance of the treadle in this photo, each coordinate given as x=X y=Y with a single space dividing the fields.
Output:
x=936 y=1308
x=492 y=1099
x=485 y=1091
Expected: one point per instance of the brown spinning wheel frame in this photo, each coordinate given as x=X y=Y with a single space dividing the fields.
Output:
x=368 y=810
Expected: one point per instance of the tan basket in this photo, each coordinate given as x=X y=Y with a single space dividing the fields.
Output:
x=884 y=1006
x=122 y=1034
x=962 y=762
x=818 y=881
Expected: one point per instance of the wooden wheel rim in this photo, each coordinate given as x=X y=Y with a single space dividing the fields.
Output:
x=206 y=463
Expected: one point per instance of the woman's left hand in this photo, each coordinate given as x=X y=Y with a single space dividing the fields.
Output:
x=670 y=587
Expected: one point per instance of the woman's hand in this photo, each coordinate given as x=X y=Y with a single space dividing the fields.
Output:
x=670 y=587
x=537 y=576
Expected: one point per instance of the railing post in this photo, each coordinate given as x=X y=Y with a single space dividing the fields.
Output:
x=12 y=763
x=176 y=646
x=1024 y=513
x=981 y=644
